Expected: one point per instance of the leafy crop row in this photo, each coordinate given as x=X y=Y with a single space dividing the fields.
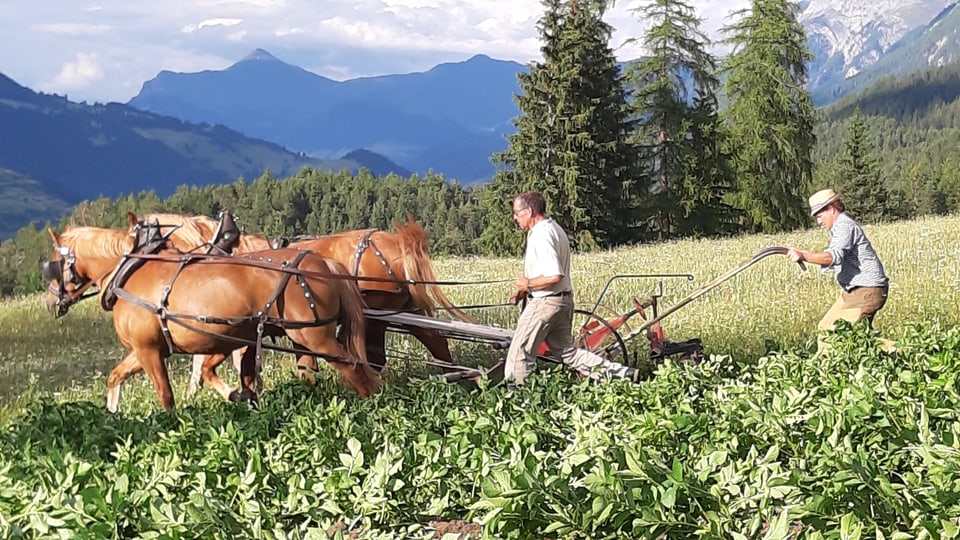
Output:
x=854 y=443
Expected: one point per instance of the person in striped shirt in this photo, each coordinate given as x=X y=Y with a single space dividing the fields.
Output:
x=863 y=282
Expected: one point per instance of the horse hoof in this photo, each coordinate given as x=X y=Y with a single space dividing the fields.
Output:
x=246 y=396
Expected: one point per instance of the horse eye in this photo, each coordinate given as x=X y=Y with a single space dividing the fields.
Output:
x=63 y=251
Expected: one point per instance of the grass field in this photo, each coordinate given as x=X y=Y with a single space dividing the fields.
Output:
x=772 y=305
x=761 y=439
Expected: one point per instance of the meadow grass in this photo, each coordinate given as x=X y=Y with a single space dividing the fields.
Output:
x=770 y=306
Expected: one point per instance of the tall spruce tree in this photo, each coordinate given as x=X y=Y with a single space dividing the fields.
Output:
x=858 y=175
x=770 y=115
x=676 y=104
x=572 y=135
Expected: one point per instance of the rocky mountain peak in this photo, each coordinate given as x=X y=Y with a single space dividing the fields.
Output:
x=853 y=34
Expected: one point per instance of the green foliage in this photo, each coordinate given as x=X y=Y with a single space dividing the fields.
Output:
x=571 y=140
x=311 y=202
x=853 y=441
x=678 y=127
x=914 y=122
x=858 y=176
x=751 y=443
x=770 y=115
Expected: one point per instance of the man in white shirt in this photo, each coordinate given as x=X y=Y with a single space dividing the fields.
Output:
x=548 y=315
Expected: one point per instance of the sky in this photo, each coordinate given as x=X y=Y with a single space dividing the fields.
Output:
x=104 y=50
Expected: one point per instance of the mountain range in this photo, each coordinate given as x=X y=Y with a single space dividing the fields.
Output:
x=452 y=118
x=262 y=113
x=449 y=119
x=57 y=153
x=851 y=40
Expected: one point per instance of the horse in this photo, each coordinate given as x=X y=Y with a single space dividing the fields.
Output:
x=211 y=305
x=393 y=271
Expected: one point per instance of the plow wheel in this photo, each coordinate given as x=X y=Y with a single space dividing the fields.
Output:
x=593 y=332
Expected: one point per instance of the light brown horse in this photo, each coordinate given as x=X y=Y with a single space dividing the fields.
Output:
x=393 y=271
x=212 y=306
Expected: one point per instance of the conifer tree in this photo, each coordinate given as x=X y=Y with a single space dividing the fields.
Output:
x=676 y=103
x=770 y=115
x=858 y=175
x=572 y=135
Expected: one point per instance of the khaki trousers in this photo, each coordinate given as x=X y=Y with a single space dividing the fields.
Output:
x=550 y=320
x=854 y=306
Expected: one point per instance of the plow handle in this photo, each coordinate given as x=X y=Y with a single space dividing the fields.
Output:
x=762 y=254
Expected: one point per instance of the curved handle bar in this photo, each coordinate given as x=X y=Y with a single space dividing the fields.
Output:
x=762 y=254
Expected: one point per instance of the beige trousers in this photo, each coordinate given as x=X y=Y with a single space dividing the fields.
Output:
x=550 y=320
x=854 y=306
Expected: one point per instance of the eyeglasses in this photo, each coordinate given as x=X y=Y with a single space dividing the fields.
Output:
x=516 y=211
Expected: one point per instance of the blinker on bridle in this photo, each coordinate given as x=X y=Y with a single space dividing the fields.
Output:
x=56 y=270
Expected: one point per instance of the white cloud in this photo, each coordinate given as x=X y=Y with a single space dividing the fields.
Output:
x=125 y=43
x=78 y=74
x=72 y=29
x=211 y=23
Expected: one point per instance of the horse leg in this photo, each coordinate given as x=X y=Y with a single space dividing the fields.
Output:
x=123 y=370
x=248 y=376
x=153 y=363
x=196 y=376
x=238 y=359
x=434 y=342
x=321 y=340
x=209 y=371
x=376 y=344
x=306 y=367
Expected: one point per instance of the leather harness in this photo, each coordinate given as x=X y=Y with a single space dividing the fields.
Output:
x=149 y=241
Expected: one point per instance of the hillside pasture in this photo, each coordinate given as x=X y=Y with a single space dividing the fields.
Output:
x=759 y=440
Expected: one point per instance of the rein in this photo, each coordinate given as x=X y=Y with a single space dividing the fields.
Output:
x=77 y=295
x=269 y=264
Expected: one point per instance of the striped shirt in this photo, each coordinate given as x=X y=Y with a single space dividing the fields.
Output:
x=854 y=260
x=548 y=254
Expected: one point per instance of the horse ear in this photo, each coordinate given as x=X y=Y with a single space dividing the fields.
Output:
x=132 y=221
x=54 y=236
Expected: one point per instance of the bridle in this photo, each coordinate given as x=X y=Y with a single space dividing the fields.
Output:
x=64 y=271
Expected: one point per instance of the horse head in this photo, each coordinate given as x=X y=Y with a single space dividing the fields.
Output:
x=82 y=257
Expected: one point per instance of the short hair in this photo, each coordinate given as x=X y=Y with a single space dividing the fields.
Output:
x=534 y=201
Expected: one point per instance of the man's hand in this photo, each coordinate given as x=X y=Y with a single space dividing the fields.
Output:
x=517 y=296
x=795 y=255
x=523 y=290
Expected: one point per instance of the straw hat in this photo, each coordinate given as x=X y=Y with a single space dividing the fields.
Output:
x=820 y=200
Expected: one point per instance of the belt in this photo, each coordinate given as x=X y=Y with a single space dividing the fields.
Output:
x=851 y=289
x=561 y=293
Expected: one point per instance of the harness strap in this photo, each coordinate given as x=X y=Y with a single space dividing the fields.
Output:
x=163 y=311
x=281 y=287
x=365 y=242
x=180 y=318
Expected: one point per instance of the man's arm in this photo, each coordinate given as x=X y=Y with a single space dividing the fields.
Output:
x=537 y=283
x=822 y=258
x=841 y=243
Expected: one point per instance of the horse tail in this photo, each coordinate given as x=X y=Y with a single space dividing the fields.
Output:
x=425 y=294
x=353 y=326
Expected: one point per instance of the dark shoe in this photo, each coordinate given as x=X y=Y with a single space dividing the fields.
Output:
x=632 y=374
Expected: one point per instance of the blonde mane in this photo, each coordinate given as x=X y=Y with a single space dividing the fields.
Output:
x=97 y=242
x=199 y=230
x=193 y=231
